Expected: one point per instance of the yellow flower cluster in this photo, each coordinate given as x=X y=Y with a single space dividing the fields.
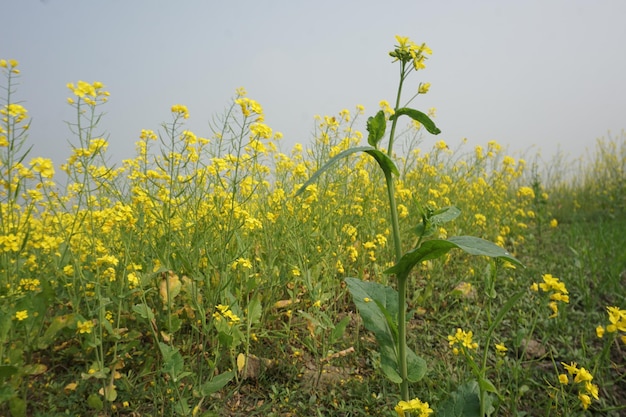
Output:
x=91 y=94
x=558 y=289
x=180 y=110
x=413 y=406
x=10 y=65
x=617 y=323
x=583 y=378
x=409 y=51
x=224 y=312
x=463 y=339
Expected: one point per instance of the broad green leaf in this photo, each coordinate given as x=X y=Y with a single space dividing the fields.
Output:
x=477 y=246
x=430 y=222
x=369 y=298
x=389 y=369
x=445 y=215
x=486 y=385
x=378 y=307
x=383 y=160
x=432 y=249
x=419 y=117
x=416 y=366
x=217 y=383
x=376 y=128
x=464 y=402
x=144 y=311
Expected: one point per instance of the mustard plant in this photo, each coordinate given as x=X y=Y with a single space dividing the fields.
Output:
x=382 y=308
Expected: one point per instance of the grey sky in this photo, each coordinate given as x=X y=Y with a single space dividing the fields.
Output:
x=524 y=73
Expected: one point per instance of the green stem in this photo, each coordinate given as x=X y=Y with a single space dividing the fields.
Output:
x=402 y=279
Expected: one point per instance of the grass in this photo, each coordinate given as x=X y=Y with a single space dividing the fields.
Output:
x=190 y=280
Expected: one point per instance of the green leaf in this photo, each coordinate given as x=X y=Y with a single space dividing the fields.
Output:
x=383 y=160
x=375 y=302
x=419 y=117
x=416 y=366
x=95 y=402
x=486 y=385
x=378 y=306
x=144 y=311
x=432 y=249
x=376 y=128
x=477 y=246
x=217 y=383
x=430 y=221
x=445 y=215
x=464 y=402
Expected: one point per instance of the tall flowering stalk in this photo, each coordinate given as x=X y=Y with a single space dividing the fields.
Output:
x=382 y=308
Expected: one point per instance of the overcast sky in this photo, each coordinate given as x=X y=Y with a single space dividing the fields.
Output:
x=531 y=74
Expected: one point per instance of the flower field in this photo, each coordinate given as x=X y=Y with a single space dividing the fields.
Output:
x=192 y=279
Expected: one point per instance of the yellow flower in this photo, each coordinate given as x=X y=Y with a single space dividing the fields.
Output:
x=21 y=315
x=585 y=400
x=600 y=331
x=181 y=110
x=43 y=166
x=571 y=368
x=84 y=326
x=414 y=405
x=554 y=223
x=423 y=88
x=500 y=348
x=563 y=379
x=583 y=375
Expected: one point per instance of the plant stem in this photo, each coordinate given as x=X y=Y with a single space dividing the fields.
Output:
x=395 y=226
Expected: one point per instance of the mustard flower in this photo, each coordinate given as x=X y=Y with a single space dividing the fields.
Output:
x=583 y=378
x=526 y=192
x=43 y=166
x=501 y=349
x=21 y=315
x=423 y=88
x=585 y=400
x=558 y=289
x=414 y=405
x=463 y=339
x=84 y=326
x=180 y=110
x=617 y=320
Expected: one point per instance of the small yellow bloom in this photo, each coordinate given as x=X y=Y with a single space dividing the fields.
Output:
x=554 y=223
x=84 y=326
x=422 y=409
x=563 y=379
x=500 y=348
x=585 y=400
x=423 y=88
x=21 y=315
x=600 y=331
